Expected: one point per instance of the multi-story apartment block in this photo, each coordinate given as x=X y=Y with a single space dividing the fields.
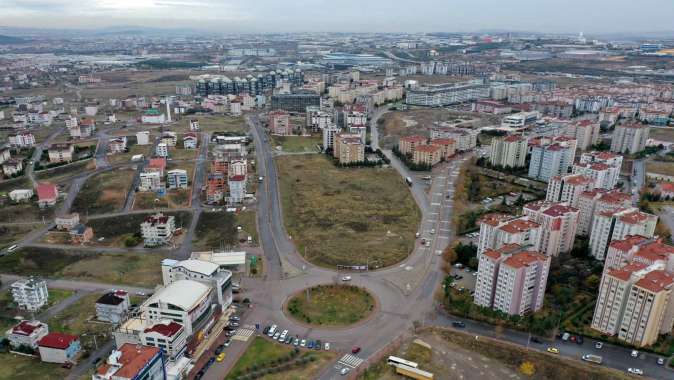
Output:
x=177 y=179
x=149 y=181
x=279 y=123
x=637 y=248
x=169 y=138
x=162 y=150
x=586 y=132
x=558 y=225
x=602 y=167
x=237 y=188
x=466 y=139
x=157 y=229
x=143 y=138
x=117 y=145
x=616 y=224
x=61 y=153
x=568 y=188
x=113 y=306
x=509 y=151
x=329 y=133
x=497 y=230
x=318 y=119
x=23 y=139
x=215 y=187
x=408 y=144
x=27 y=333
x=594 y=201
x=194 y=125
x=511 y=280
x=30 y=294
x=132 y=361
x=551 y=157
x=427 y=155
x=190 y=140
x=348 y=148
x=447 y=147
x=629 y=138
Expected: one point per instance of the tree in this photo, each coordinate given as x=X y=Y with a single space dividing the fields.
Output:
x=527 y=368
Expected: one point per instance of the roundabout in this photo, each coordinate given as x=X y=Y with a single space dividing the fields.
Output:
x=331 y=305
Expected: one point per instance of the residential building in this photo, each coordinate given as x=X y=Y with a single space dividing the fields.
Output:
x=509 y=151
x=360 y=130
x=176 y=179
x=585 y=132
x=169 y=138
x=329 y=133
x=558 y=225
x=466 y=139
x=143 y=138
x=317 y=119
x=490 y=106
x=153 y=116
x=186 y=302
x=348 y=148
x=497 y=230
x=61 y=153
x=157 y=164
x=427 y=155
x=30 y=294
x=190 y=140
x=157 y=229
x=167 y=335
x=602 y=167
x=279 y=123
x=629 y=138
x=117 y=145
x=26 y=334
x=162 y=150
x=637 y=248
x=237 y=188
x=447 y=93
x=132 y=362
x=551 y=157
x=81 y=234
x=215 y=187
x=12 y=167
x=297 y=102
x=568 y=188
x=408 y=144
x=511 y=280
x=149 y=181
x=598 y=200
x=19 y=195
x=59 y=348
x=202 y=271
x=47 y=194
x=113 y=306
x=447 y=147
x=237 y=167
x=194 y=125
x=616 y=224
x=22 y=139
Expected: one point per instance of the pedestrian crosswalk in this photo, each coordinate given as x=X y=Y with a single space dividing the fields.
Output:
x=243 y=334
x=350 y=361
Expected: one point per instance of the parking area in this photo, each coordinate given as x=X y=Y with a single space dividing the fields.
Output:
x=464 y=278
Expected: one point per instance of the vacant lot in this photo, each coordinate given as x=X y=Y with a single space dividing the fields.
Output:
x=141 y=269
x=25 y=212
x=662 y=134
x=10 y=234
x=116 y=229
x=179 y=198
x=79 y=319
x=20 y=367
x=213 y=123
x=295 y=144
x=62 y=173
x=104 y=193
x=215 y=230
x=346 y=216
x=287 y=363
x=331 y=305
x=660 y=167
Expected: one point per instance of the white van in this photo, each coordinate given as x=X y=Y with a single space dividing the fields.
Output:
x=272 y=330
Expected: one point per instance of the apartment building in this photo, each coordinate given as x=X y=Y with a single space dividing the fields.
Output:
x=616 y=224
x=348 y=148
x=117 y=145
x=30 y=294
x=59 y=348
x=279 y=123
x=629 y=138
x=157 y=164
x=12 y=167
x=130 y=362
x=190 y=140
x=602 y=167
x=215 y=187
x=60 y=153
x=113 y=306
x=511 y=280
x=157 y=229
x=26 y=333
x=143 y=138
x=585 y=132
x=237 y=188
x=466 y=139
x=149 y=181
x=169 y=138
x=177 y=179
x=408 y=144
x=427 y=155
x=205 y=272
x=22 y=139
x=162 y=150
x=497 y=230
x=558 y=225
x=329 y=133
x=637 y=248
x=194 y=125
x=317 y=119
x=568 y=188
x=509 y=151
x=186 y=302
x=167 y=335
x=551 y=157
x=594 y=201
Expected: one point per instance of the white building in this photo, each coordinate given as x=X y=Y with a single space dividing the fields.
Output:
x=558 y=225
x=26 y=333
x=30 y=294
x=184 y=301
x=466 y=139
x=630 y=138
x=602 y=167
x=616 y=224
x=568 y=188
x=202 y=271
x=167 y=335
x=113 y=306
x=157 y=229
x=143 y=138
x=162 y=150
x=150 y=181
x=509 y=151
x=595 y=201
x=586 y=132
x=237 y=188
x=19 y=195
x=329 y=133
x=499 y=230
x=551 y=157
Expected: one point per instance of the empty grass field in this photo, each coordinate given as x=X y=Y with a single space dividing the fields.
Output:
x=10 y=234
x=21 y=367
x=63 y=173
x=331 y=305
x=660 y=167
x=178 y=198
x=213 y=123
x=104 y=193
x=296 y=144
x=79 y=319
x=354 y=216
x=27 y=211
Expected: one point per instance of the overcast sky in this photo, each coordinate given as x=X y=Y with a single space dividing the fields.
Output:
x=247 y=16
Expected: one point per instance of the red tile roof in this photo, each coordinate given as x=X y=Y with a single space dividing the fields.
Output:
x=523 y=259
x=656 y=281
x=133 y=359
x=427 y=148
x=165 y=329
x=57 y=340
x=413 y=139
x=519 y=225
x=47 y=191
x=627 y=243
x=237 y=178
x=26 y=327
x=625 y=272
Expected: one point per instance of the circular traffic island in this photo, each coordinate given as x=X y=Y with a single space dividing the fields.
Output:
x=331 y=305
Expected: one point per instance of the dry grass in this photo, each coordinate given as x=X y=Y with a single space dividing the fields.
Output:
x=104 y=192
x=347 y=216
x=25 y=212
x=213 y=123
x=662 y=134
x=140 y=269
x=660 y=167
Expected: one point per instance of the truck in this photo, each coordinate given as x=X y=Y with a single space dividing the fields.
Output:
x=409 y=181
x=592 y=358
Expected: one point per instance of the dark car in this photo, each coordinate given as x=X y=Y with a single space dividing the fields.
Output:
x=210 y=362
x=265 y=331
x=355 y=350
x=318 y=345
x=289 y=340
x=219 y=349
x=458 y=324
x=535 y=340
x=310 y=344
x=579 y=339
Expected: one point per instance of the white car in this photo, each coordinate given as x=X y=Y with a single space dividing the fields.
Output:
x=344 y=371
x=598 y=345
x=635 y=371
x=634 y=353
x=303 y=343
x=327 y=346
x=346 y=278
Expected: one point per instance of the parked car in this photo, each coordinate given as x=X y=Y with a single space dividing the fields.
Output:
x=303 y=343
x=553 y=350
x=219 y=349
x=458 y=324
x=661 y=361
x=634 y=353
x=579 y=339
x=344 y=371
x=277 y=335
x=289 y=340
x=227 y=342
x=598 y=345
x=346 y=278
x=318 y=345
x=635 y=371
x=355 y=350
x=296 y=342
x=310 y=344
x=327 y=346
x=220 y=357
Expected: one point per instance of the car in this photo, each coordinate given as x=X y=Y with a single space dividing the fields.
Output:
x=230 y=333
x=303 y=343
x=579 y=339
x=327 y=346
x=318 y=345
x=474 y=274
x=553 y=350
x=271 y=331
x=310 y=344
x=220 y=357
x=296 y=342
x=355 y=350
x=661 y=361
x=536 y=340
x=235 y=318
x=467 y=270
x=276 y=335
x=573 y=338
x=458 y=324
x=459 y=277
x=344 y=371
x=219 y=349
x=635 y=371
x=234 y=324
x=634 y=353
x=346 y=278
x=227 y=342
x=210 y=362
x=433 y=231
x=566 y=336
x=284 y=334
x=288 y=340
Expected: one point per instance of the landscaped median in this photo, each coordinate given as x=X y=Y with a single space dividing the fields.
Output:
x=331 y=305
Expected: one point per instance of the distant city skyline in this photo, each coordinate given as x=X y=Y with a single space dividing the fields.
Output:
x=239 y=16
